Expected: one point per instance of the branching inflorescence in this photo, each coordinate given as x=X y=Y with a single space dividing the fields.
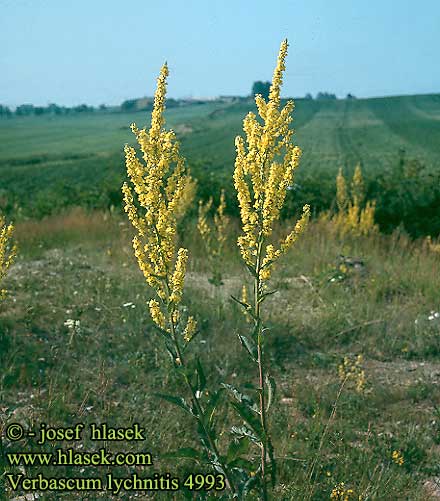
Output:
x=354 y=216
x=162 y=187
x=213 y=234
x=162 y=190
x=264 y=169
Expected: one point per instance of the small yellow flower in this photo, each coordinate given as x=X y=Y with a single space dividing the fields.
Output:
x=397 y=457
x=341 y=493
x=351 y=370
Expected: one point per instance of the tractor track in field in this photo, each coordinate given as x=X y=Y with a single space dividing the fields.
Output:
x=346 y=143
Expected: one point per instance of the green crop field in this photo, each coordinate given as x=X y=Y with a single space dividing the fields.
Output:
x=50 y=157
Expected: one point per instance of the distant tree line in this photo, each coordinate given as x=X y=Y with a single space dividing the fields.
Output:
x=140 y=104
x=51 y=109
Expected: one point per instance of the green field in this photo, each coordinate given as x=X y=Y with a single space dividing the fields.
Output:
x=330 y=133
x=77 y=343
x=47 y=163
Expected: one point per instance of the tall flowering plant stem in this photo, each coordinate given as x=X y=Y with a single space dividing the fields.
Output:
x=8 y=251
x=160 y=192
x=264 y=168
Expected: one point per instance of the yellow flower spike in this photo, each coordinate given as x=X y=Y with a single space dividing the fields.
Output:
x=341 y=493
x=156 y=314
x=341 y=192
x=202 y=223
x=264 y=167
x=351 y=217
x=190 y=329
x=157 y=120
x=221 y=221
x=161 y=190
x=277 y=79
x=300 y=226
x=244 y=298
x=178 y=277
x=8 y=251
x=261 y=105
x=213 y=234
x=357 y=186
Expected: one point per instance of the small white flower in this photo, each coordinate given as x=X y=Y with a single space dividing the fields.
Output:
x=72 y=324
x=126 y=305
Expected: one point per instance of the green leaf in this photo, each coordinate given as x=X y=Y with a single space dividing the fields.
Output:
x=237 y=447
x=211 y=406
x=246 y=306
x=250 y=484
x=242 y=398
x=171 y=353
x=205 y=435
x=265 y=294
x=251 y=270
x=271 y=389
x=249 y=417
x=243 y=431
x=249 y=346
x=179 y=401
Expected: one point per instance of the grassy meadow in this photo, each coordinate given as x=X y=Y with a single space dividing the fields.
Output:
x=77 y=342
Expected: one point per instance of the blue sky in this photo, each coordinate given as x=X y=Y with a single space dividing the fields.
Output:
x=97 y=51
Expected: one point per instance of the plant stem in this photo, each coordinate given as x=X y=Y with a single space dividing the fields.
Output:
x=260 y=360
x=200 y=411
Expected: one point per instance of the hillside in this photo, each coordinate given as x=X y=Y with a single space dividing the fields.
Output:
x=77 y=159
